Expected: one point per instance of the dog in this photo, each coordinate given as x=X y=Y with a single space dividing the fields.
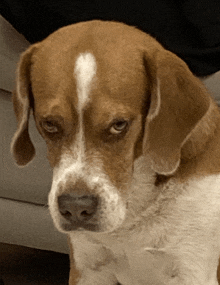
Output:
x=133 y=138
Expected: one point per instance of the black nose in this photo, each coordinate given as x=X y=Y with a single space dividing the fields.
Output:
x=78 y=210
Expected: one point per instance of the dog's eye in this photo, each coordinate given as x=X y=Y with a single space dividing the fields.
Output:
x=49 y=126
x=118 y=127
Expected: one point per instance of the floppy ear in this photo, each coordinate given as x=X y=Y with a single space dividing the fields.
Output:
x=21 y=145
x=178 y=102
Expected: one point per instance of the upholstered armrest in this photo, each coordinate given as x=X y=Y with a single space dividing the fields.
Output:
x=11 y=45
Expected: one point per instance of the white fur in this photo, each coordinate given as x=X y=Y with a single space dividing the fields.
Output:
x=178 y=235
x=85 y=70
x=175 y=235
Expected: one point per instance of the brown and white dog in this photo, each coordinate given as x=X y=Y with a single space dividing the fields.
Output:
x=134 y=142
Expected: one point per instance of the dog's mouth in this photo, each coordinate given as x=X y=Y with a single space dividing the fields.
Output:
x=101 y=225
x=77 y=226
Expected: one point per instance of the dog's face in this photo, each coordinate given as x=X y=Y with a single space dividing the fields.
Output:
x=98 y=104
x=93 y=131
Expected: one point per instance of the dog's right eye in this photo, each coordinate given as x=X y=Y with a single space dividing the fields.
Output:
x=118 y=127
x=49 y=126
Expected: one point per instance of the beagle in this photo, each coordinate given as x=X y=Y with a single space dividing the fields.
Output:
x=134 y=142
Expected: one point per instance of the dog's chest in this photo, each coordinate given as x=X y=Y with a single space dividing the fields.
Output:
x=127 y=262
x=184 y=240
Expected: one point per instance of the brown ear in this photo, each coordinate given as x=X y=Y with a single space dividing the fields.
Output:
x=21 y=145
x=178 y=102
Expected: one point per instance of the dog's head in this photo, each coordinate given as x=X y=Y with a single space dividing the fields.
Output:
x=103 y=94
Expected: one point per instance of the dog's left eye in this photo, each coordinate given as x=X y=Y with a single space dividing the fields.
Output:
x=118 y=127
x=49 y=126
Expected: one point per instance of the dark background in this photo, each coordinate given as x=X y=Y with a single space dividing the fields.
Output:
x=189 y=28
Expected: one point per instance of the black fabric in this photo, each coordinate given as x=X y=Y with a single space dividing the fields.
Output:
x=189 y=28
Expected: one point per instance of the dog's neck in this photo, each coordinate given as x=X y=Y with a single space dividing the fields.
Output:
x=200 y=158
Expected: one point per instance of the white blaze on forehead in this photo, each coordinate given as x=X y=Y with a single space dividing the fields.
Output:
x=85 y=70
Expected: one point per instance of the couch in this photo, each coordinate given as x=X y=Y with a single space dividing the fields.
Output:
x=24 y=215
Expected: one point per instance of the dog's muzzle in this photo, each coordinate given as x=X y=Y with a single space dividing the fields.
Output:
x=91 y=204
